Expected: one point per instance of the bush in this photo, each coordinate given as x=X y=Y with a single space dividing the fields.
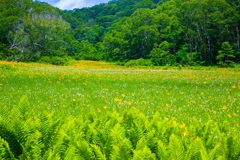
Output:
x=87 y=51
x=182 y=57
x=3 y=51
x=62 y=61
x=139 y=62
x=226 y=56
x=160 y=55
x=45 y=59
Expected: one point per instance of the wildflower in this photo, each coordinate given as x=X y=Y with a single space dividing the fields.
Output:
x=182 y=126
x=202 y=93
x=225 y=108
x=105 y=107
x=129 y=103
x=118 y=100
x=234 y=86
x=174 y=123
x=185 y=133
x=123 y=95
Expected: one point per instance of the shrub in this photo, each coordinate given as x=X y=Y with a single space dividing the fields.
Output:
x=45 y=59
x=61 y=60
x=226 y=55
x=139 y=62
x=160 y=55
x=182 y=57
x=56 y=60
x=87 y=51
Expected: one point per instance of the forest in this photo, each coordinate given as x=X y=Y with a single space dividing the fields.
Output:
x=134 y=32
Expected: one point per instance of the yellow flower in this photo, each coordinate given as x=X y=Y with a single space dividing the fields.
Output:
x=182 y=125
x=105 y=107
x=234 y=86
x=174 y=123
x=202 y=93
x=129 y=103
x=185 y=133
x=225 y=108
x=123 y=95
x=117 y=99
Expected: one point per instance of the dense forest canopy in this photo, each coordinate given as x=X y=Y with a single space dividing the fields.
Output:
x=158 y=32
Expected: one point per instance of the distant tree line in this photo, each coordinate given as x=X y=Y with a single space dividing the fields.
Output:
x=148 y=32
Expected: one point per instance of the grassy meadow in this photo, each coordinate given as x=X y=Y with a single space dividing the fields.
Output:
x=98 y=110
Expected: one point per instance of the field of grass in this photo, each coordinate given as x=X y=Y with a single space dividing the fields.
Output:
x=97 y=110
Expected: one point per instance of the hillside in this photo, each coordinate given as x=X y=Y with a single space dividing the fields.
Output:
x=147 y=32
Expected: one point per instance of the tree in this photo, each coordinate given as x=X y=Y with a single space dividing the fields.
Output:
x=160 y=55
x=42 y=31
x=226 y=55
x=182 y=56
x=87 y=51
x=11 y=11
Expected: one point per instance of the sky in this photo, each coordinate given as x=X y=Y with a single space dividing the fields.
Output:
x=71 y=4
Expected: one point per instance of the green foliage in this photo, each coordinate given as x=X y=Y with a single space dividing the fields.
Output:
x=125 y=29
x=140 y=113
x=88 y=51
x=183 y=57
x=66 y=143
x=160 y=55
x=55 y=60
x=139 y=62
x=226 y=55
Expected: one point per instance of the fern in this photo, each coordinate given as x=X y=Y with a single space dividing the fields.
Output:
x=122 y=147
x=217 y=152
x=144 y=153
x=98 y=153
x=84 y=150
x=196 y=150
x=33 y=147
x=176 y=148
x=5 y=151
x=11 y=140
x=161 y=151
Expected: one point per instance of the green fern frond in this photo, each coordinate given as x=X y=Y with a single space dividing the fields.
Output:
x=161 y=151
x=11 y=139
x=98 y=153
x=217 y=152
x=5 y=152
x=143 y=154
x=196 y=151
x=176 y=148
x=84 y=150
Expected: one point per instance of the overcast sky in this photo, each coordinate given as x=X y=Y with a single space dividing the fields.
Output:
x=71 y=4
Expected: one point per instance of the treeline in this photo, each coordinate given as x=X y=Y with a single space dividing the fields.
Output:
x=139 y=32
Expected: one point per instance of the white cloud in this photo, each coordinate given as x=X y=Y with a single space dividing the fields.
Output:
x=71 y=4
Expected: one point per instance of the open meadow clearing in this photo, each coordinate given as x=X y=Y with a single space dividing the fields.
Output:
x=97 y=110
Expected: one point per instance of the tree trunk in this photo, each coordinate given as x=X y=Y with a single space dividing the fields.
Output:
x=238 y=37
x=209 y=49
